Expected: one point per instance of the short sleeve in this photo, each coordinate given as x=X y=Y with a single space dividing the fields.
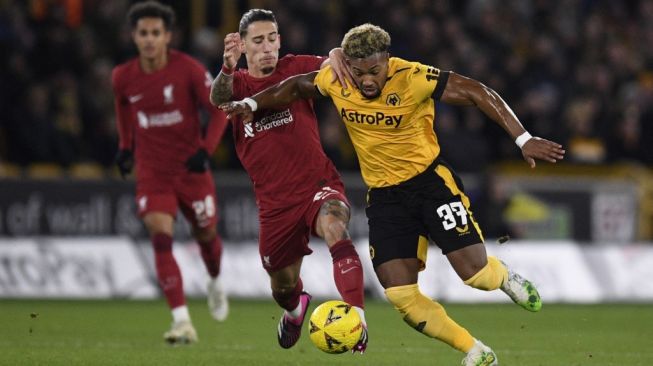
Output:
x=323 y=81
x=428 y=81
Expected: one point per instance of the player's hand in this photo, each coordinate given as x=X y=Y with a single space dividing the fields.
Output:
x=538 y=148
x=238 y=109
x=339 y=68
x=125 y=161
x=232 y=50
x=198 y=162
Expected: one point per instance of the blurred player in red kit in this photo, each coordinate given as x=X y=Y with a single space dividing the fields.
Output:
x=298 y=191
x=157 y=96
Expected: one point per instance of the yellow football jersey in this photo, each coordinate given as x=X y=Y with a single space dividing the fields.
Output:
x=393 y=134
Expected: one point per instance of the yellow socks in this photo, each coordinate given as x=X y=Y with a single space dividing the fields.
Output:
x=490 y=277
x=428 y=317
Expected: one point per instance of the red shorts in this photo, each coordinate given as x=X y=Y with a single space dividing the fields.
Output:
x=193 y=193
x=284 y=233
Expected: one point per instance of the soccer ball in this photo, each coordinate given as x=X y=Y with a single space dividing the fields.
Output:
x=335 y=327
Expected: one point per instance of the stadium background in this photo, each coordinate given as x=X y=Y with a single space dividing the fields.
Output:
x=579 y=72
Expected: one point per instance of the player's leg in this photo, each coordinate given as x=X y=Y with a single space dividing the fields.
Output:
x=288 y=292
x=453 y=227
x=196 y=195
x=160 y=227
x=399 y=247
x=399 y=278
x=331 y=224
x=488 y=273
x=283 y=243
x=211 y=250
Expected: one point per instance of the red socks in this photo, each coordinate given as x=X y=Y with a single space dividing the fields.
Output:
x=167 y=270
x=211 y=254
x=348 y=272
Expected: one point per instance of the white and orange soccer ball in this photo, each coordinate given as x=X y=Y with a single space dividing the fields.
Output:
x=335 y=327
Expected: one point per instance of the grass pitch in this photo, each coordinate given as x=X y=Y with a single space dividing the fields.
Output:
x=37 y=332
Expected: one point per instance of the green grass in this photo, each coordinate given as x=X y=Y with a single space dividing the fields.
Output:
x=130 y=333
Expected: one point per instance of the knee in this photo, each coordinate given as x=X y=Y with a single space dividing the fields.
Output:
x=159 y=223
x=332 y=221
x=470 y=268
x=489 y=277
x=204 y=235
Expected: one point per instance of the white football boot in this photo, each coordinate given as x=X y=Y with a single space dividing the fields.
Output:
x=480 y=355
x=217 y=299
x=521 y=291
x=181 y=332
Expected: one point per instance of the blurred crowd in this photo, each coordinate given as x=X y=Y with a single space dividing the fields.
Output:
x=579 y=72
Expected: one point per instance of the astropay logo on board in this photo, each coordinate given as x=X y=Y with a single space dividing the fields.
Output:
x=268 y=122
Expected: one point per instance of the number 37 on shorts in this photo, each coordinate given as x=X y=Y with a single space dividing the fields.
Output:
x=453 y=219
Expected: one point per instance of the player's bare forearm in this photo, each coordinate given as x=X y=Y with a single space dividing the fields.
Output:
x=292 y=89
x=465 y=91
x=461 y=90
x=222 y=89
x=284 y=93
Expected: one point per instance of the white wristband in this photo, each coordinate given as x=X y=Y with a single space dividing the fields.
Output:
x=521 y=139
x=251 y=103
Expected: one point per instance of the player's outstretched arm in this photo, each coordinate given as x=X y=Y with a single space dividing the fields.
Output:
x=283 y=93
x=465 y=91
x=222 y=86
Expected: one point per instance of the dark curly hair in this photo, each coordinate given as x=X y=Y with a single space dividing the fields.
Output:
x=365 y=40
x=151 y=9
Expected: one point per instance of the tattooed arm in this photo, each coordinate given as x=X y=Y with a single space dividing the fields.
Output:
x=221 y=89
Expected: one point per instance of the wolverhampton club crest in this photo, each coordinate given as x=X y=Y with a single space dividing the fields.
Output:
x=393 y=100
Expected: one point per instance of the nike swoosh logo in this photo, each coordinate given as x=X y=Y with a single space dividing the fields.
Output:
x=343 y=271
x=135 y=98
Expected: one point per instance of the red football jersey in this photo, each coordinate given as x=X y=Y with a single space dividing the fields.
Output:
x=157 y=113
x=280 y=148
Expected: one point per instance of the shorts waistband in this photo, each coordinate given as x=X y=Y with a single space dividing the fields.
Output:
x=407 y=184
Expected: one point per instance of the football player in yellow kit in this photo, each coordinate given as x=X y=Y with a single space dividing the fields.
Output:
x=414 y=195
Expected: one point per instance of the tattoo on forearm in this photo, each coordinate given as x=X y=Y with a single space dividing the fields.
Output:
x=221 y=90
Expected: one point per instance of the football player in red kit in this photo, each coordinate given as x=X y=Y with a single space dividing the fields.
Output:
x=298 y=190
x=157 y=96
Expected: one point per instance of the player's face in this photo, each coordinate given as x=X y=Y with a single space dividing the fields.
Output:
x=261 y=45
x=370 y=73
x=151 y=37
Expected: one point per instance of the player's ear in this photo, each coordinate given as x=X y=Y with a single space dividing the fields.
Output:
x=168 y=36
